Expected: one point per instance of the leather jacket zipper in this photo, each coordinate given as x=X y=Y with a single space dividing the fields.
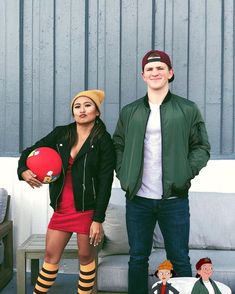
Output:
x=56 y=202
x=84 y=183
x=93 y=186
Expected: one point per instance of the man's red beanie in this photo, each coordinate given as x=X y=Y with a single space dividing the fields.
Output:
x=160 y=56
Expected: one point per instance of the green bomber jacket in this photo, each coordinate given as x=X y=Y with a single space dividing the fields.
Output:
x=185 y=146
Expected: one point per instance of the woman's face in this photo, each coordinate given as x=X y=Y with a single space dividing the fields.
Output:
x=84 y=110
x=205 y=271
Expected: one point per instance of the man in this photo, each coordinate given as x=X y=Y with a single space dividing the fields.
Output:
x=161 y=144
x=205 y=284
x=164 y=272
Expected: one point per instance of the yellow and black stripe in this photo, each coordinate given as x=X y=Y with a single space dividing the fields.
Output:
x=46 y=278
x=86 y=278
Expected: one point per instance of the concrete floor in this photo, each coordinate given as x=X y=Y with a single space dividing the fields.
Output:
x=64 y=284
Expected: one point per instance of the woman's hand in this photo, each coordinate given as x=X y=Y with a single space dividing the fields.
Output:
x=30 y=178
x=96 y=233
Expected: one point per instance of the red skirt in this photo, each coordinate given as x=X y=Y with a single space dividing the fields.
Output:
x=66 y=218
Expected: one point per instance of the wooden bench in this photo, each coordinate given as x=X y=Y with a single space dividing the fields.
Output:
x=33 y=249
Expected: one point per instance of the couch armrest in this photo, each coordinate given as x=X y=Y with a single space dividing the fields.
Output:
x=6 y=268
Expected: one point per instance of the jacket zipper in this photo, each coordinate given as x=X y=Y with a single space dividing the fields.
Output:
x=56 y=202
x=84 y=183
x=162 y=152
x=93 y=185
x=142 y=156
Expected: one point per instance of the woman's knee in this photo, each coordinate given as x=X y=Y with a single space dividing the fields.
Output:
x=51 y=257
x=86 y=256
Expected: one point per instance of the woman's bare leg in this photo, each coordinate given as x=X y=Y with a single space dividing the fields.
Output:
x=55 y=244
x=86 y=253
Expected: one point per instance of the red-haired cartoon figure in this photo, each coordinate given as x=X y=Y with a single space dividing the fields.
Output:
x=164 y=272
x=205 y=285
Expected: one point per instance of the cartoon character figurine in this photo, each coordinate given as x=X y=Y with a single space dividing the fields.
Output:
x=205 y=284
x=164 y=272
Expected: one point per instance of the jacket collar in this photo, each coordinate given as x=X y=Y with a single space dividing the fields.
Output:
x=165 y=100
x=65 y=149
x=203 y=283
x=86 y=147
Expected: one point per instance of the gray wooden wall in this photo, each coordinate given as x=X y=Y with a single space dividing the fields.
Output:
x=51 y=49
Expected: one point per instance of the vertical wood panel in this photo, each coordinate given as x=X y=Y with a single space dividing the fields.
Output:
x=46 y=66
x=70 y=45
x=2 y=75
x=228 y=80
x=213 y=68
x=180 y=46
x=168 y=25
x=159 y=28
x=92 y=45
x=128 y=49
x=144 y=40
x=197 y=47
x=27 y=99
x=9 y=90
x=77 y=46
x=62 y=61
x=101 y=40
x=112 y=64
x=35 y=70
x=38 y=76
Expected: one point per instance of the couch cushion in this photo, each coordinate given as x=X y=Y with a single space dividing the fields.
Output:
x=116 y=240
x=208 y=221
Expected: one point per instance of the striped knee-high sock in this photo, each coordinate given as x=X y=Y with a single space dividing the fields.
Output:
x=86 y=278
x=46 y=278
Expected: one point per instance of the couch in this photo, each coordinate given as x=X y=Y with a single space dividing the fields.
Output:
x=211 y=235
x=6 y=241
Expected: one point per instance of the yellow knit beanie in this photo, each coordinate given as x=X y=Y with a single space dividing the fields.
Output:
x=96 y=95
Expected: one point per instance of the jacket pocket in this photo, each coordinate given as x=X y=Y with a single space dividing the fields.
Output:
x=189 y=171
x=180 y=191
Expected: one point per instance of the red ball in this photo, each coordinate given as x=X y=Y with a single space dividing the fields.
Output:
x=45 y=163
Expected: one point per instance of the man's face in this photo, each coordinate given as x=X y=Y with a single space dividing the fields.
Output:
x=164 y=275
x=205 y=271
x=156 y=75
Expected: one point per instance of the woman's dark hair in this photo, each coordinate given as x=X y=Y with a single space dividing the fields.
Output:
x=96 y=133
x=98 y=130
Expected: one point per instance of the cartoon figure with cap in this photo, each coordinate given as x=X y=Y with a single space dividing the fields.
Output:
x=164 y=272
x=205 y=285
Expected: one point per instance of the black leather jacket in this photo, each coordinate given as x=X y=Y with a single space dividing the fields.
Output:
x=92 y=170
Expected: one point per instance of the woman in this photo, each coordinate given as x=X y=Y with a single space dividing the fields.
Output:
x=80 y=195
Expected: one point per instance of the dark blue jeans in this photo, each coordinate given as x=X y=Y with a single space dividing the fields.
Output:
x=141 y=217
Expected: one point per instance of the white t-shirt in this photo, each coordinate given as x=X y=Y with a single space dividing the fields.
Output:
x=152 y=170
x=209 y=287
